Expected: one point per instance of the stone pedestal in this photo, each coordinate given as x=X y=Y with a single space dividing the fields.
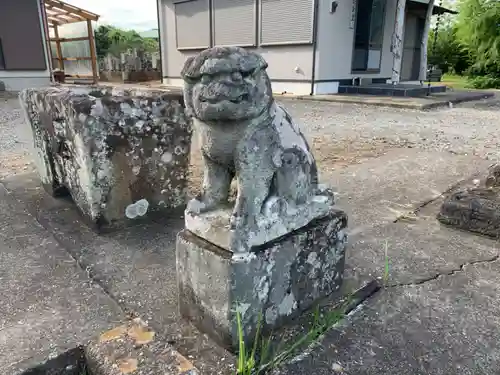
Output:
x=274 y=282
x=120 y=154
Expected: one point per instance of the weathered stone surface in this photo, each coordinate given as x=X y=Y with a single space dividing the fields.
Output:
x=476 y=210
x=120 y=154
x=276 y=282
x=245 y=133
x=214 y=226
x=135 y=348
x=493 y=178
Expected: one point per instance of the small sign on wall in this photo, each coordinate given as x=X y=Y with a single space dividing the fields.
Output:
x=352 y=22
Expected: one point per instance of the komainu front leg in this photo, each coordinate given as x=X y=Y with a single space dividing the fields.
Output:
x=216 y=184
x=252 y=193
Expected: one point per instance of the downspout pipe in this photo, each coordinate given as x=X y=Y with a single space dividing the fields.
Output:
x=159 y=38
x=315 y=44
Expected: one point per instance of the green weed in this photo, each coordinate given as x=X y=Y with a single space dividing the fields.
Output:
x=262 y=359
x=386 y=264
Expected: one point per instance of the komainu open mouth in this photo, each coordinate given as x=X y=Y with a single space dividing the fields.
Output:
x=215 y=100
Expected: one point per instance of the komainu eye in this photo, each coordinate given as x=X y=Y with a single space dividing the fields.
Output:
x=248 y=73
x=190 y=80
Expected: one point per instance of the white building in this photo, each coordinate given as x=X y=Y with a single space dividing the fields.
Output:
x=311 y=46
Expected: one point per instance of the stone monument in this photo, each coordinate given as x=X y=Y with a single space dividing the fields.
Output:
x=476 y=209
x=280 y=246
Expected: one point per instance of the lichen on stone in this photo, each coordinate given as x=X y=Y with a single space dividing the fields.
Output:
x=104 y=147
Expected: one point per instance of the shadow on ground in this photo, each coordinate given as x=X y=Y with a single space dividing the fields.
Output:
x=136 y=267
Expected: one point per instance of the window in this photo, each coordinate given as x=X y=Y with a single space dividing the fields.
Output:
x=234 y=22
x=369 y=35
x=192 y=24
x=286 y=22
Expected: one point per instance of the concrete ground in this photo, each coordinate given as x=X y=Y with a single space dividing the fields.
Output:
x=49 y=304
x=434 y=100
x=438 y=313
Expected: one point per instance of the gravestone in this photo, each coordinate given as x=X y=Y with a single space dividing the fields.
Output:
x=121 y=154
x=475 y=209
x=280 y=247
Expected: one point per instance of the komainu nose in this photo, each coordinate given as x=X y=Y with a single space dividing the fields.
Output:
x=237 y=76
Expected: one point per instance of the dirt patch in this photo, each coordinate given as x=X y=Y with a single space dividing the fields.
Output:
x=330 y=155
x=334 y=155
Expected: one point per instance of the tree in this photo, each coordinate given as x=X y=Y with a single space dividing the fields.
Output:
x=102 y=40
x=478 y=30
x=110 y=39
x=446 y=51
x=151 y=45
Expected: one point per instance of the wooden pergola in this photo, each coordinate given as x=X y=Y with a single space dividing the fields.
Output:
x=59 y=13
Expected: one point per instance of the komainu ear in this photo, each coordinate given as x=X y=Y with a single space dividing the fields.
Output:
x=261 y=63
x=253 y=63
x=187 y=66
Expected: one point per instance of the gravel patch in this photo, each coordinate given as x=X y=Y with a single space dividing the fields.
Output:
x=461 y=130
x=15 y=137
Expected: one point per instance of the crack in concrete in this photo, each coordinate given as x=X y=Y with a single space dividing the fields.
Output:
x=448 y=273
x=425 y=203
x=415 y=212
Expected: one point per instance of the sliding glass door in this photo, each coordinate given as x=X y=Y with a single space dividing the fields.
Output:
x=369 y=35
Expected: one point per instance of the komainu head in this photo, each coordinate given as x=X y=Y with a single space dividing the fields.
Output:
x=226 y=84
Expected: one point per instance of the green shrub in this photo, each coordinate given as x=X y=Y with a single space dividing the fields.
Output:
x=484 y=82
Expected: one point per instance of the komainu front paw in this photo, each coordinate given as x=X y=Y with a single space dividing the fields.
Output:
x=196 y=206
x=235 y=222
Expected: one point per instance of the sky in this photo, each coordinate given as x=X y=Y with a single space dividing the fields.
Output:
x=139 y=15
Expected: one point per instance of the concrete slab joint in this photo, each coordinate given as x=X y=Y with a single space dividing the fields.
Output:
x=120 y=154
x=280 y=247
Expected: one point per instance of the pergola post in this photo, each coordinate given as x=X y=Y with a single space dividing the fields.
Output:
x=93 y=56
x=397 y=42
x=57 y=13
x=58 y=48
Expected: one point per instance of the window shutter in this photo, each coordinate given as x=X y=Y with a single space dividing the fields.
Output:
x=286 y=22
x=21 y=35
x=192 y=24
x=234 y=22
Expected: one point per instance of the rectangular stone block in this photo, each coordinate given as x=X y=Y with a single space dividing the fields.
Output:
x=120 y=154
x=275 y=282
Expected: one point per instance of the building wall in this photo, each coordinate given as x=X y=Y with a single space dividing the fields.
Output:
x=19 y=77
x=290 y=67
x=336 y=42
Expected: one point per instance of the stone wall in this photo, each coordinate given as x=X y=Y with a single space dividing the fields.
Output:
x=121 y=154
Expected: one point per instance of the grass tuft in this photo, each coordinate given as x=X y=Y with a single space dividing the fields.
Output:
x=386 y=264
x=262 y=358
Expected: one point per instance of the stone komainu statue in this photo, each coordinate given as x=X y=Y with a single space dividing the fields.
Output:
x=245 y=133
